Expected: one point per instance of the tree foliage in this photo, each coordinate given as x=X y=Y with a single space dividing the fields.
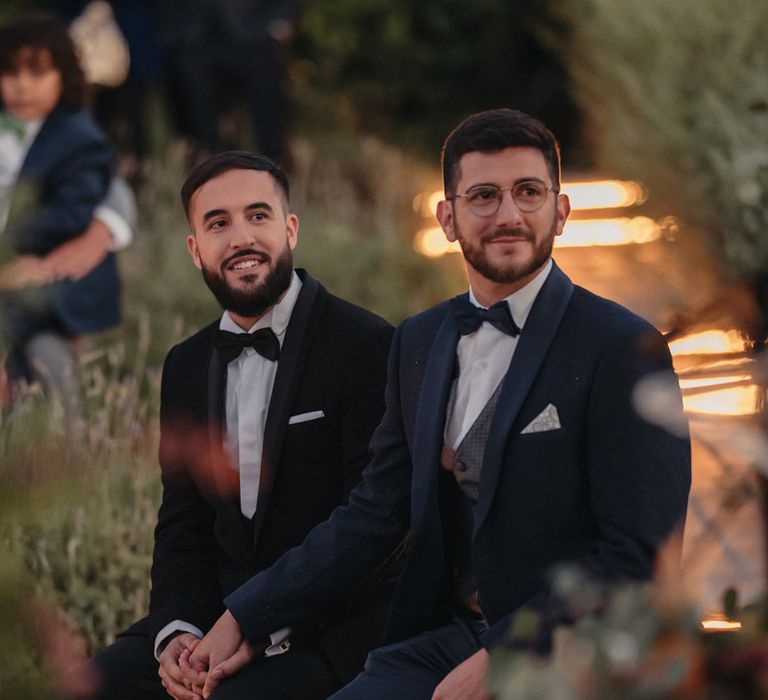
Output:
x=413 y=70
x=676 y=94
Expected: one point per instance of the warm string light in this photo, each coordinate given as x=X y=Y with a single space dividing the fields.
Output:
x=709 y=342
x=725 y=390
x=604 y=194
x=720 y=625
x=584 y=196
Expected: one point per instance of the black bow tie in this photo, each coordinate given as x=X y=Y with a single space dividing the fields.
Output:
x=263 y=341
x=470 y=317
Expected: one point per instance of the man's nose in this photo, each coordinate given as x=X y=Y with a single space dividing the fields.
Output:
x=242 y=235
x=509 y=213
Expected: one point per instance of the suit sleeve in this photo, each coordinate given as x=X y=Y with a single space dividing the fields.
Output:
x=184 y=584
x=638 y=473
x=363 y=406
x=50 y=213
x=341 y=553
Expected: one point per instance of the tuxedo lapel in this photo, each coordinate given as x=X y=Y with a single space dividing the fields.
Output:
x=424 y=570
x=293 y=355
x=28 y=192
x=217 y=385
x=43 y=149
x=216 y=399
x=535 y=339
x=37 y=157
x=430 y=421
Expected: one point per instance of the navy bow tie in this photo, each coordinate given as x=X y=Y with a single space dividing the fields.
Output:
x=263 y=341
x=470 y=317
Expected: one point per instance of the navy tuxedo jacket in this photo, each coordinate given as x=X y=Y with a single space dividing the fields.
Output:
x=65 y=175
x=333 y=360
x=603 y=491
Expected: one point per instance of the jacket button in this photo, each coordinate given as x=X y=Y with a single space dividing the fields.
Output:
x=461 y=467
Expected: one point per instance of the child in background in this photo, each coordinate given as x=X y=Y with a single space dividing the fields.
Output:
x=55 y=167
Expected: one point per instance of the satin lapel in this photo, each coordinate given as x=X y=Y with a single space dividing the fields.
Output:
x=430 y=423
x=217 y=386
x=538 y=333
x=29 y=181
x=38 y=156
x=293 y=356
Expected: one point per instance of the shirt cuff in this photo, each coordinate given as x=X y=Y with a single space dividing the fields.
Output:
x=173 y=628
x=279 y=642
x=122 y=234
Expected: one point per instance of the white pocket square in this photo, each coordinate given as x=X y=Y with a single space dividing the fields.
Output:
x=304 y=417
x=547 y=420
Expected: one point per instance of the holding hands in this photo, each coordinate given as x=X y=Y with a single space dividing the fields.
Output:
x=191 y=668
x=178 y=678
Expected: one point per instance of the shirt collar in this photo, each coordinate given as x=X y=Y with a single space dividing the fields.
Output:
x=18 y=132
x=521 y=301
x=276 y=318
x=24 y=129
x=32 y=127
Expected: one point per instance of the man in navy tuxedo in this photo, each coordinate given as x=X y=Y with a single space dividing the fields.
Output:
x=511 y=444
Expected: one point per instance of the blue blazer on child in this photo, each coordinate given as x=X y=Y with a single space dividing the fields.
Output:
x=64 y=176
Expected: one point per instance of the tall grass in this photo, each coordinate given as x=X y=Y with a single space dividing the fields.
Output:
x=77 y=513
x=80 y=497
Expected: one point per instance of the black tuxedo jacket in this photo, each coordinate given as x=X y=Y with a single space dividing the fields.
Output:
x=64 y=176
x=333 y=360
x=604 y=490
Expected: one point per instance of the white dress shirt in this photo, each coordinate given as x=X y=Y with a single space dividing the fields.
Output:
x=484 y=358
x=250 y=378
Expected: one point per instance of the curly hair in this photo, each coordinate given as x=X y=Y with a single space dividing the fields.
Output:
x=42 y=32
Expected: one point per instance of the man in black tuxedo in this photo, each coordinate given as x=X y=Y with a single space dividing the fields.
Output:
x=511 y=443
x=266 y=417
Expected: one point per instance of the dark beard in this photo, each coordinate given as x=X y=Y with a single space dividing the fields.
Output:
x=475 y=256
x=253 y=302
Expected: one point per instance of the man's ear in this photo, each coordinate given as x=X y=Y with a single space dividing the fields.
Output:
x=193 y=251
x=563 y=210
x=445 y=217
x=292 y=230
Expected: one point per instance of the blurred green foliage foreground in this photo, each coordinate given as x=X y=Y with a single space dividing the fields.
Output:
x=79 y=498
x=77 y=508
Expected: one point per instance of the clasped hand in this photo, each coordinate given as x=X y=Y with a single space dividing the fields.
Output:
x=193 y=668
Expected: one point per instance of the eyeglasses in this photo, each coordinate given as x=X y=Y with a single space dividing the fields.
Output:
x=485 y=200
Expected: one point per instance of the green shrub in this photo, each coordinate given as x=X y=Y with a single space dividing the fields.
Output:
x=674 y=95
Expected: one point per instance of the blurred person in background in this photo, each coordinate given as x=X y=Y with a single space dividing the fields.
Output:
x=265 y=418
x=61 y=214
x=118 y=48
x=221 y=50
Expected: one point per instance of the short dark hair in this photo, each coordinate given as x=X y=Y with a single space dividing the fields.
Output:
x=496 y=130
x=231 y=160
x=45 y=32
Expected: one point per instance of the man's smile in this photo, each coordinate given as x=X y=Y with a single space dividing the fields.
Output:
x=246 y=260
x=507 y=236
x=246 y=263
